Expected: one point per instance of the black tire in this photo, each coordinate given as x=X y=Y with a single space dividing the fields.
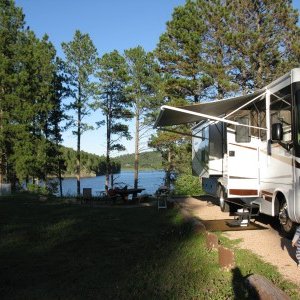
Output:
x=224 y=206
x=287 y=226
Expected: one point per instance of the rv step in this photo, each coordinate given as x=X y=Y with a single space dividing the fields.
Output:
x=242 y=214
x=238 y=223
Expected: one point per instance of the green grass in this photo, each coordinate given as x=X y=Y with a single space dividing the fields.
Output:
x=60 y=251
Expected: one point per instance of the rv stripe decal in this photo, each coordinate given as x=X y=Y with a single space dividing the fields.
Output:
x=242 y=146
x=297 y=164
x=237 y=177
x=276 y=177
x=239 y=192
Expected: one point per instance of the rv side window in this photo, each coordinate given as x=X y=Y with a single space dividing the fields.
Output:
x=281 y=105
x=243 y=132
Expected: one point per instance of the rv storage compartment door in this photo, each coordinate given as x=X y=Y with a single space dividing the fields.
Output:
x=242 y=167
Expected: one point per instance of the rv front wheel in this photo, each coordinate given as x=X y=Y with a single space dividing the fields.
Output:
x=287 y=226
x=221 y=195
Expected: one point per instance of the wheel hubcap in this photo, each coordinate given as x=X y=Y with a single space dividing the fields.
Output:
x=222 y=199
x=283 y=216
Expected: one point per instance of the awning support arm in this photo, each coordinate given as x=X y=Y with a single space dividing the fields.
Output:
x=183 y=133
x=254 y=99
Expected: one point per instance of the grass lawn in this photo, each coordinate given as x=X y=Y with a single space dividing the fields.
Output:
x=60 y=251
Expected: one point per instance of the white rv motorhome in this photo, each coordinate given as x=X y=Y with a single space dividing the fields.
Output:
x=247 y=148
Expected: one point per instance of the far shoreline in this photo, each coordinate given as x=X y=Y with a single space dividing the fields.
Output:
x=73 y=176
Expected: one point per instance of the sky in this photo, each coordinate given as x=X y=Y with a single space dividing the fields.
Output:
x=111 y=24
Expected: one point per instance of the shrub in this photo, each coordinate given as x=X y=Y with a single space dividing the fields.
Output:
x=49 y=189
x=187 y=184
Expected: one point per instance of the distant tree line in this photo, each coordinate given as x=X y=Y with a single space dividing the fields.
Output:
x=147 y=160
x=92 y=164
x=210 y=50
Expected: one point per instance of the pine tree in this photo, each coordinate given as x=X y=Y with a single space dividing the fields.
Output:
x=113 y=103
x=264 y=40
x=11 y=28
x=141 y=91
x=212 y=49
x=179 y=53
x=81 y=58
x=35 y=153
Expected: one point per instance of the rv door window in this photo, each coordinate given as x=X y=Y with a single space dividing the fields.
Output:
x=243 y=132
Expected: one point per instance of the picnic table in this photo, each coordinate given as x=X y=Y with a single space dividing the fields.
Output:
x=124 y=193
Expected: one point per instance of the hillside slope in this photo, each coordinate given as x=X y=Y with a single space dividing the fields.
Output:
x=148 y=160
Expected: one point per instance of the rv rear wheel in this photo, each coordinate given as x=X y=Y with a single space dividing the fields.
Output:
x=221 y=195
x=287 y=226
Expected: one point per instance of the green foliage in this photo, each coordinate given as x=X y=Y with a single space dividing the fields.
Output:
x=148 y=160
x=47 y=189
x=33 y=188
x=80 y=64
x=175 y=152
x=188 y=185
x=29 y=89
x=143 y=84
x=141 y=90
x=213 y=48
x=101 y=168
x=92 y=164
x=113 y=103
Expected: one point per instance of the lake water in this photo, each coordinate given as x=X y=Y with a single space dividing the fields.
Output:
x=149 y=180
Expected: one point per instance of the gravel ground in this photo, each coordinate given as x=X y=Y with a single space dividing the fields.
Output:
x=268 y=244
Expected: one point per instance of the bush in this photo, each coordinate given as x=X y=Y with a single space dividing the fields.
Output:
x=49 y=189
x=188 y=185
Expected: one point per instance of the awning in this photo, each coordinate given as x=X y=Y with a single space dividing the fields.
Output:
x=169 y=115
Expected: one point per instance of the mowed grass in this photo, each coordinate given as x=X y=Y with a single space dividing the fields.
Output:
x=60 y=251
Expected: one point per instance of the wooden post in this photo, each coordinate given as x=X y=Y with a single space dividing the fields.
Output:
x=265 y=289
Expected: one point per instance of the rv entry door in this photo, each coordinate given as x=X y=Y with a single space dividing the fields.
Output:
x=242 y=163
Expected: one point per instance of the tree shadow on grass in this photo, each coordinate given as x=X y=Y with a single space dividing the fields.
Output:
x=64 y=251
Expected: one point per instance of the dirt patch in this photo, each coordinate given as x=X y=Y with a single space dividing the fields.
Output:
x=268 y=244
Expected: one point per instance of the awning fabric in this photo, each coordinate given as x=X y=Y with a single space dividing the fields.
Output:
x=169 y=117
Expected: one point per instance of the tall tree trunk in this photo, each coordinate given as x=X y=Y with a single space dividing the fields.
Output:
x=1 y=168
x=1 y=152
x=107 y=153
x=60 y=183
x=78 y=146
x=59 y=177
x=137 y=154
x=168 y=171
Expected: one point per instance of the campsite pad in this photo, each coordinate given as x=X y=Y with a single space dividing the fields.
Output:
x=221 y=225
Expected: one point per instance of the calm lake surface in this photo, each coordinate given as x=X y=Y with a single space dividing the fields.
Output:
x=149 y=180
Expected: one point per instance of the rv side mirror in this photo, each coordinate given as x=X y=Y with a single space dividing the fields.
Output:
x=277 y=132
